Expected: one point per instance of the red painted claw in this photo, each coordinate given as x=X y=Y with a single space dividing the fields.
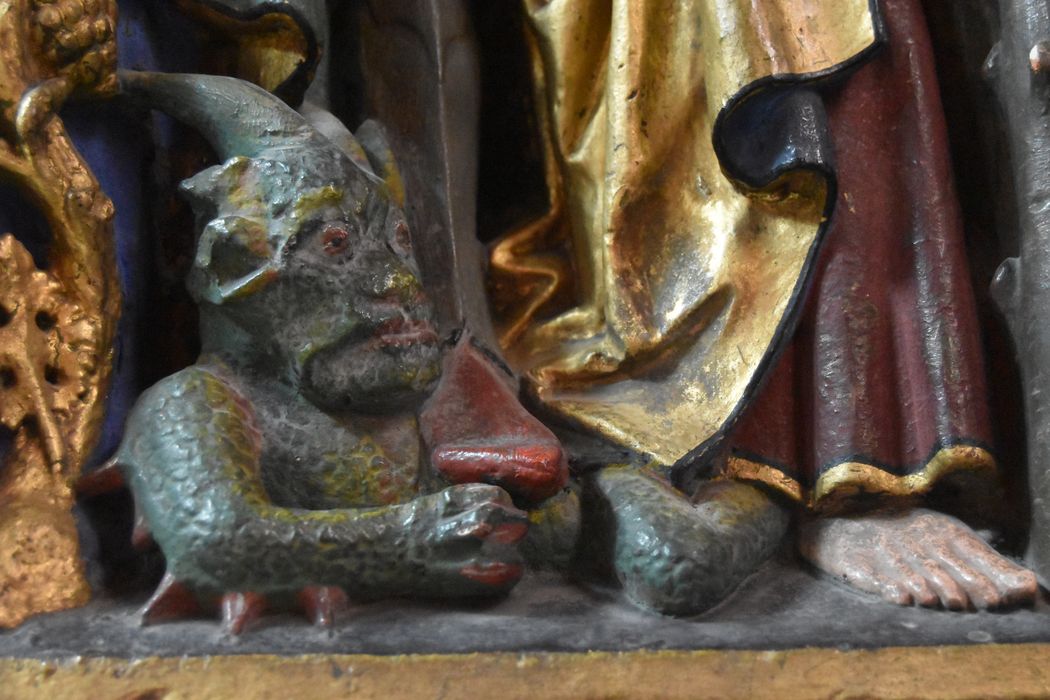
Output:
x=322 y=604
x=493 y=574
x=171 y=601
x=141 y=536
x=478 y=431
x=240 y=610
x=106 y=479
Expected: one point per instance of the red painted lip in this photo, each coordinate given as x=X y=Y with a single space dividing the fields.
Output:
x=509 y=533
x=398 y=332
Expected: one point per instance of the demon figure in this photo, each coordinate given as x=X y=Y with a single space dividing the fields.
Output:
x=285 y=464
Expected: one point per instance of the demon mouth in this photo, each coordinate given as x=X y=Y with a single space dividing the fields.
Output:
x=399 y=332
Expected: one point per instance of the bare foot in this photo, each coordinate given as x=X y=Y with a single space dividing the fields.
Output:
x=916 y=557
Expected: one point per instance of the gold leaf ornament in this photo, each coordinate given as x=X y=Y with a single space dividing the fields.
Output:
x=57 y=326
x=47 y=349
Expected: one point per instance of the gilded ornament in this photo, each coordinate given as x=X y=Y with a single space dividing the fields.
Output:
x=56 y=325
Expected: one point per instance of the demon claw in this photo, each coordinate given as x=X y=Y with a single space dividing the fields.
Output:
x=171 y=601
x=141 y=535
x=241 y=609
x=323 y=603
x=106 y=479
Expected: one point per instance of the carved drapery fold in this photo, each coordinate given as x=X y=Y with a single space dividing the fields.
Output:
x=689 y=186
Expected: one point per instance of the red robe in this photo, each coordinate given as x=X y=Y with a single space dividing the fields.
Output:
x=882 y=389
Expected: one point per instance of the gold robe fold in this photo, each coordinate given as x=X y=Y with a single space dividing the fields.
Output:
x=643 y=305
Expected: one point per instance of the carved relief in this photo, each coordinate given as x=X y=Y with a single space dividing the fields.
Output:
x=56 y=325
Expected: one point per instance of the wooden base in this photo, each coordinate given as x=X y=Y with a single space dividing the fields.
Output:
x=990 y=671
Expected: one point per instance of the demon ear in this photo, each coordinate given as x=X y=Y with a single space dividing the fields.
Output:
x=234 y=258
x=374 y=141
x=206 y=190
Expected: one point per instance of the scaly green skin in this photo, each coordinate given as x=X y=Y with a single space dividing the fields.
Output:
x=288 y=456
x=672 y=554
x=194 y=458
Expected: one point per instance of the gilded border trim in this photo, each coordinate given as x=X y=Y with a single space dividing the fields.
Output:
x=748 y=470
x=848 y=479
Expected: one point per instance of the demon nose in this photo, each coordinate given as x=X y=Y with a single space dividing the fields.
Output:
x=387 y=278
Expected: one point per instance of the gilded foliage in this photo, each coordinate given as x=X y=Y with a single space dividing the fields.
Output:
x=56 y=326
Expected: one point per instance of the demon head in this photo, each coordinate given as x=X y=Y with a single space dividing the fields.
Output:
x=303 y=264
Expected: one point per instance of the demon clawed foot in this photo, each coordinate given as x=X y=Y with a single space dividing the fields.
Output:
x=173 y=600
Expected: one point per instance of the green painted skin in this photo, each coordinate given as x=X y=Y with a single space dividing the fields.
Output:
x=288 y=455
x=673 y=554
x=194 y=457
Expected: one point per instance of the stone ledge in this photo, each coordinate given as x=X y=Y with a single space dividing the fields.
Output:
x=785 y=633
x=782 y=607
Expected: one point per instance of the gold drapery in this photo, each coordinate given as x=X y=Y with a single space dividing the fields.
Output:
x=643 y=304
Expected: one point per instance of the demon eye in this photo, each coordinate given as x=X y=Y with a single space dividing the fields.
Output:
x=335 y=240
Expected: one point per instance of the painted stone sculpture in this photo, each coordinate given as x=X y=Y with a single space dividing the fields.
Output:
x=247 y=266
x=714 y=351
x=286 y=461
x=693 y=188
